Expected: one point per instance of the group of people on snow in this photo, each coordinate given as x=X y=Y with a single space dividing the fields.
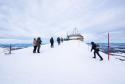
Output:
x=59 y=40
x=37 y=43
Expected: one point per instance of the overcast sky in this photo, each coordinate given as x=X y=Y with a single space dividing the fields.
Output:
x=25 y=19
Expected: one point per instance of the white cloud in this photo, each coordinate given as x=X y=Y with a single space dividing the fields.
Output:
x=46 y=18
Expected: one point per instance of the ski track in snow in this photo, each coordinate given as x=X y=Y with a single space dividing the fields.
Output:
x=69 y=63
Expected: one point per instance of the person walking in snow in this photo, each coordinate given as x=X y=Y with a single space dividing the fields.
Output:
x=62 y=40
x=34 y=45
x=38 y=44
x=52 y=42
x=96 y=50
x=58 y=41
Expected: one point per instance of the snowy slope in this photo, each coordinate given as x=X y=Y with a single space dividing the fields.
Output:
x=2 y=50
x=69 y=63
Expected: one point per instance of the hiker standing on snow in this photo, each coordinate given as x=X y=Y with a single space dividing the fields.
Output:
x=34 y=45
x=96 y=50
x=62 y=40
x=38 y=44
x=58 y=40
x=52 y=42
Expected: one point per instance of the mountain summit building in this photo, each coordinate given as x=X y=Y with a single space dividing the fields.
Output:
x=75 y=35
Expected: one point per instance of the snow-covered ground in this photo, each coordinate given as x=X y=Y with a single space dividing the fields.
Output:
x=69 y=63
x=1 y=50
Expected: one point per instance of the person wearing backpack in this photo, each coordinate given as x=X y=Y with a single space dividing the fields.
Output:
x=96 y=50
x=52 y=42
x=58 y=40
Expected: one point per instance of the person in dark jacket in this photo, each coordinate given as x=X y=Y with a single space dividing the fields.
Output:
x=58 y=41
x=96 y=50
x=38 y=44
x=34 y=45
x=52 y=42
x=62 y=40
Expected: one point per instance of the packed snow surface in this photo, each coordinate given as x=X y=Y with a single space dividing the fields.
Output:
x=69 y=63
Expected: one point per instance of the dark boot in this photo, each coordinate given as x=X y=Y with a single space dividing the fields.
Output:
x=34 y=50
x=99 y=56
x=38 y=50
x=94 y=54
x=101 y=59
